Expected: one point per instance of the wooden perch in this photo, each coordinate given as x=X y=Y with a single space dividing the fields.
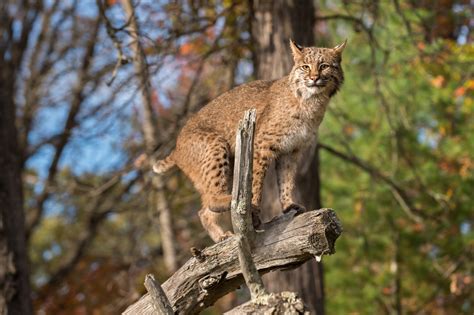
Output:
x=242 y=179
x=286 y=242
x=159 y=299
x=241 y=210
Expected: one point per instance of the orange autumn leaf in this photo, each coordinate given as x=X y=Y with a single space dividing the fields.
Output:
x=460 y=91
x=460 y=283
x=467 y=165
x=349 y=130
x=418 y=227
x=186 y=49
x=387 y=290
x=191 y=47
x=447 y=166
x=437 y=81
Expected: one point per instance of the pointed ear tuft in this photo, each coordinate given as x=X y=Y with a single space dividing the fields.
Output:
x=296 y=50
x=340 y=48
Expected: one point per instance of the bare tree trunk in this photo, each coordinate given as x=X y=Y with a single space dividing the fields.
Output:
x=14 y=281
x=273 y=24
x=150 y=135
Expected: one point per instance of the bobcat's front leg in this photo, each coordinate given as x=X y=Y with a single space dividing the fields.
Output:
x=286 y=169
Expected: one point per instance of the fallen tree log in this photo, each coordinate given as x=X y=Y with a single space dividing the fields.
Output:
x=285 y=242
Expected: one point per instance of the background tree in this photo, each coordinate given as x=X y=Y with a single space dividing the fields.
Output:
x=273 y=24
x=14 y=274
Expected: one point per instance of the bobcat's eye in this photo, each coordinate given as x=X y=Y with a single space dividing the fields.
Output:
x=305 y=67
x=323 y=66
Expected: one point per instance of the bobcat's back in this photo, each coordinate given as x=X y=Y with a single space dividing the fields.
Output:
x=223 y=113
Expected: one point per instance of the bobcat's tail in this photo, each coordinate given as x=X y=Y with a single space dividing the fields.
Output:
x=164 y=165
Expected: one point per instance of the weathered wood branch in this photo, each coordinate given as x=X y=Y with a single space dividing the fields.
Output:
x=240 y=207
x=242 y=179
x=158 y=297
x=286 y=242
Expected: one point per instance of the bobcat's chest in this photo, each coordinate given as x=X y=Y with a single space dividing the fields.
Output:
x=299 y=135
x=302 y=127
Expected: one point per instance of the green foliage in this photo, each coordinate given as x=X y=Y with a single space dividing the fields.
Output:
x=407 y=111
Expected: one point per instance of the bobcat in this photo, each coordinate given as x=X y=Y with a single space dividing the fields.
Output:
x=289 y=112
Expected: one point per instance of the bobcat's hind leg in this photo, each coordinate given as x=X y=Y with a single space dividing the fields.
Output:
x=216 y=224
x=215 y=191
x=216 y=176
x=209 y=167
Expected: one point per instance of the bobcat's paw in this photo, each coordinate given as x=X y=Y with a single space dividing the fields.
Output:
x=226 y=235
x=299 y=209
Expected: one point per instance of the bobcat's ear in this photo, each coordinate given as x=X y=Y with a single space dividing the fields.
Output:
x=296 y=50
x=340 y=48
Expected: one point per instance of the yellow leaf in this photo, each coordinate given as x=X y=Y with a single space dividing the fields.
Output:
x=449 y=193
x=358 y=207
x=469 y=85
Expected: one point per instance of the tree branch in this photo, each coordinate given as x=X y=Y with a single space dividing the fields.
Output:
x=286 y=242
x=76 y=104
x=101 y=207
x=160 y=301
x=400 y=194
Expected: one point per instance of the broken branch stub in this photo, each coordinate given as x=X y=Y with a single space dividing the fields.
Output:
x=160 y=302
x=242 y=180
x=240 y=206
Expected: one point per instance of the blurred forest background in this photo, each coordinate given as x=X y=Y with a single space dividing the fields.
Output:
x=92 y=91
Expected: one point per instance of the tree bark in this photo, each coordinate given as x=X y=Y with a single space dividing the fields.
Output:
x=273 y=24
x=150 y=134
x=14 y=281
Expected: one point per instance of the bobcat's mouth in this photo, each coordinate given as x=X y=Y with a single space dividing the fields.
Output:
x=316 y=83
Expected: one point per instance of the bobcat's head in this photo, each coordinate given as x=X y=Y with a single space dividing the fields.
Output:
x=317 y=71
